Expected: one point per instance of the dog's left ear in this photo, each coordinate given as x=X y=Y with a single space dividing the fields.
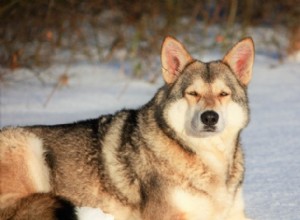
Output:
x=240 y=59
x=174 y=58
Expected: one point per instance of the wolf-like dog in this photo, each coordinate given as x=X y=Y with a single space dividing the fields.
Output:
x=178 y=157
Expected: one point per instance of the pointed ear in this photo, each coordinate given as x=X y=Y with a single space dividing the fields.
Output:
x=174 y=57
x=240 y=59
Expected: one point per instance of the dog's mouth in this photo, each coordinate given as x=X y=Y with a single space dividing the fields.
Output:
x=204 y=132
x=210 y=128
x=207 y=131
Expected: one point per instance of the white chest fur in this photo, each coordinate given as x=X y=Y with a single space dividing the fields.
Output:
x=202 y=206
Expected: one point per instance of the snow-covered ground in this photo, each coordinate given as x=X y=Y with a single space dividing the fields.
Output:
x=271 y=142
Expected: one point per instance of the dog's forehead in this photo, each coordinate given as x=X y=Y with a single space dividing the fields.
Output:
x=208 y=72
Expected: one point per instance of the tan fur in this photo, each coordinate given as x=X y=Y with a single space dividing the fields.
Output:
x=21 y=161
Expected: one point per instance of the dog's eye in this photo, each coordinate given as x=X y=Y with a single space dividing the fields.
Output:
x=223 y=94
x=193 y=93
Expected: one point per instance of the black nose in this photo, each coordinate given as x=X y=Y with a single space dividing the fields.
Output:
x=209 y=118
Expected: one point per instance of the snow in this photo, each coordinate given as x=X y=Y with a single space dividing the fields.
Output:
x=271 y=141
x=87 y=213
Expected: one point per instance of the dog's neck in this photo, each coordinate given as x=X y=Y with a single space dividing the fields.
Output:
x=218 y=149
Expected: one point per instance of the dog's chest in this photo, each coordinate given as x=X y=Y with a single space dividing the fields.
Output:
x=209 y=198
x=202 y=205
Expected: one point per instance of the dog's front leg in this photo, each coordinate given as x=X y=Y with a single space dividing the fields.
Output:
x=237 y=210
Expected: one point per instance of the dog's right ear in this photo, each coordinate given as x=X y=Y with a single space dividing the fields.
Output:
x=240 y=59
x=174 y=58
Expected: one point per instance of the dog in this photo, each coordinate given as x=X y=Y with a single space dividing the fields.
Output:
x=178 y=157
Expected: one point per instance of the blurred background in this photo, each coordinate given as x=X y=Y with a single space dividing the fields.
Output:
x=34 y=34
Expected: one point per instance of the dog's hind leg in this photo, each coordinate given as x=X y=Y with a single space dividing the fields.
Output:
x=25 y=191
x=44 y=206
x=23 y=170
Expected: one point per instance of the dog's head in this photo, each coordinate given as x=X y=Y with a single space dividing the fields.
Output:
x=205 y=99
